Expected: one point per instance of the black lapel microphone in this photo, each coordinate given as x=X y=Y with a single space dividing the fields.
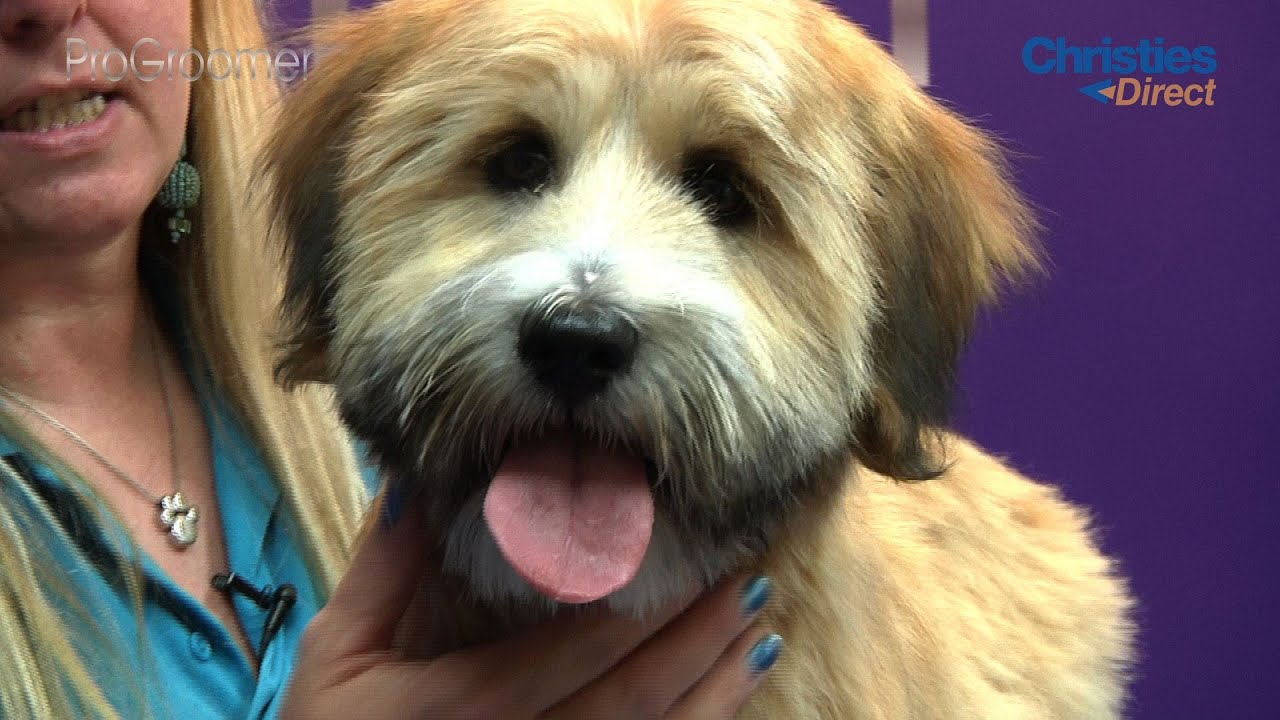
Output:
x=276 y=601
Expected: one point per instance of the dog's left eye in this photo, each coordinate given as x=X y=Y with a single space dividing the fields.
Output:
x=524 y=165
x=721 y=187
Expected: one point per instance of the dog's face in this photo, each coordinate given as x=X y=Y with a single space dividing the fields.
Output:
x=622 y=284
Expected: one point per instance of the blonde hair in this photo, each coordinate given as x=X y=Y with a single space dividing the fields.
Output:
x=231 y=290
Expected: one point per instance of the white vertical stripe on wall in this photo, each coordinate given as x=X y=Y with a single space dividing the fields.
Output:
x=911 y=37
x=320 y=8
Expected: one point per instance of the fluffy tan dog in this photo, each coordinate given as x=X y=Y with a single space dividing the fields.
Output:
x=637 y=293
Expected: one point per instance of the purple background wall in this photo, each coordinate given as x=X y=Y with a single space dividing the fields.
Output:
x=1142 y=374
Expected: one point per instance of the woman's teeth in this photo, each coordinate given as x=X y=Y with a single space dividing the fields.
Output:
x=55 y=112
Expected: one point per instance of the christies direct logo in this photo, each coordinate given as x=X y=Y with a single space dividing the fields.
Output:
x=1149 y=73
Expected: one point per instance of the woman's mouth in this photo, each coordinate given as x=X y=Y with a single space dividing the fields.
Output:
x=57 y=111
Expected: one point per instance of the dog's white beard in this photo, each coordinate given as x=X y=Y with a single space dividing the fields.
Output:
x=666 y=573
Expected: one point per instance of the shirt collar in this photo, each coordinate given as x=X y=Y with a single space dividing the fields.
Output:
x=8 y=447
x=248 y=497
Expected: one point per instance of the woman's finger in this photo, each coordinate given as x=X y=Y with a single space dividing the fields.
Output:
x=542 y=666
x=722 y=692
x=662 y=670
x=513 y=679
x=377 y=589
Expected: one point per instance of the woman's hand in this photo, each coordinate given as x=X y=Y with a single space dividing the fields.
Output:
x=699 y=660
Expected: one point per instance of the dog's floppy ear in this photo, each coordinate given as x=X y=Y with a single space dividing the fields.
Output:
x=948 y=229
x=302 y=163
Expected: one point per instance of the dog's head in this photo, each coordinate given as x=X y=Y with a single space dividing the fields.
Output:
x=621 y=284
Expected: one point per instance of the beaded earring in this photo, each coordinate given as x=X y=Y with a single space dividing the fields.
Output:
x=180 y=192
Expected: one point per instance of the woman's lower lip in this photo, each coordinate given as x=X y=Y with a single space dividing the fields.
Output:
x=68 y=141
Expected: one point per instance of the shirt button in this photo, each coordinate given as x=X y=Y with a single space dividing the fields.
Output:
x=199 y=647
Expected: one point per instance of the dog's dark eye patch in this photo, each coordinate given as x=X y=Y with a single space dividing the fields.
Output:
x=718 y=183
x=525 y=162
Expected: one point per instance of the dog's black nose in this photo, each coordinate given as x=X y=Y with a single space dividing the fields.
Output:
x=576 y=351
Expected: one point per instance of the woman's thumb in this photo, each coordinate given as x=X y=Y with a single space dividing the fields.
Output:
x=380 y=583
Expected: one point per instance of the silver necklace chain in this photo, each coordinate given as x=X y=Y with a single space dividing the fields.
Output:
x=178 y=518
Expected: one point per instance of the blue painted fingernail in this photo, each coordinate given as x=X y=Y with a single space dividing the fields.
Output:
x=393 y=505
x=755 y=594
x=765 y=654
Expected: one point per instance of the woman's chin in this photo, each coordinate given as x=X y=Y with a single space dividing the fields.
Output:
x=75 y=233
x=93 y=209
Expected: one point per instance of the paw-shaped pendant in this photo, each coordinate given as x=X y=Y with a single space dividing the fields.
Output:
x=180 y=518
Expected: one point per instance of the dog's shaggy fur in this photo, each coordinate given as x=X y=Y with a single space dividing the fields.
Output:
x=801 y=238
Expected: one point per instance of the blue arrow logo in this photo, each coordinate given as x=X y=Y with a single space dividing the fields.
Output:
x=1103 y=91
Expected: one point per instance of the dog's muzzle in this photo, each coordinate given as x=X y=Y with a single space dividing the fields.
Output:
x=573 y=516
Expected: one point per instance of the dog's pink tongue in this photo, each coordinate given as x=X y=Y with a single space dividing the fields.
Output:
x=573 y=521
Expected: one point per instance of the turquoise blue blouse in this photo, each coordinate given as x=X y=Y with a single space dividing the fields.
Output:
x=198 y=670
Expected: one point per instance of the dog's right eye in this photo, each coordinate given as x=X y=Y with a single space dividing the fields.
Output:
x=720 y=186
x=524 y=165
